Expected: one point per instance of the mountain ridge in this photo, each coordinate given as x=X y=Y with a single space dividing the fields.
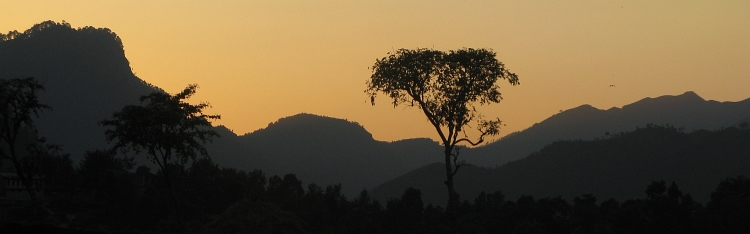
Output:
x=88 y=78
x=688 y=111
x=618 y=167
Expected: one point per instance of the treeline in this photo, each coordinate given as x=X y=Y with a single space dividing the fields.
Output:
x=44 y=26
x=103 y=197
x=191 y=194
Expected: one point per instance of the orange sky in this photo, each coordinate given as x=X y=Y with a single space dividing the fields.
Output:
x=257 y=62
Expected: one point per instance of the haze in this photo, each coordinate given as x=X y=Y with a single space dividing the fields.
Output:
x=258 y=62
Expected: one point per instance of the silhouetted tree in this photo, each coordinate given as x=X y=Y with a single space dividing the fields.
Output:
x=286 y=192
x=19 y=106
x=143 y=170
x=445 y=86
x=586 y=217
x=668 y=208
x=105 y=176
x=730 y=205
x=58 y=172
x=366 y=214
x=170 y=131
x=327 y=210
x=406 y=213
x=489 y=210
x=254 y=217
x=209 y=189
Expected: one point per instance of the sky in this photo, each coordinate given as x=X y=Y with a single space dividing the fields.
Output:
x=258 y=61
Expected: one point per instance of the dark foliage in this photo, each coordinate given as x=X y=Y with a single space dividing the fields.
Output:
x=104 y=196
x=86 y=78
x=105 y=176
x=169 y=130
x=224 y=200
x=446 y=86
x=19 y=106
x=730 y=205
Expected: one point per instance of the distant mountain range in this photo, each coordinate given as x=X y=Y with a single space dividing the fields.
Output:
x=87 y=78
x=688 y=111
x=619 y=166
x=324 y=151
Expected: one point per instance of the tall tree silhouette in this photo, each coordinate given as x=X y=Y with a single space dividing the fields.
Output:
x=730 y=205
x=445 y=86
x=170 y=130
x=18 y=106
x=105 y=175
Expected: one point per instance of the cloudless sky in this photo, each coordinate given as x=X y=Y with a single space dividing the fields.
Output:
x=258 y=61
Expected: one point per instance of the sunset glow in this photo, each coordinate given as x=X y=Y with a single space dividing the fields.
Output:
x=258 y=62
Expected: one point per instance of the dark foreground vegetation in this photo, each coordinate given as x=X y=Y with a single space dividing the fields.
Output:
x=100 y=196
x=189 y=193
x=107 y=192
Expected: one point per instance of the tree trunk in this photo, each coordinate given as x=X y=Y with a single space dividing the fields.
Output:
x=452 y=195
x=166 y=171
x=29 y=184
x=27 y=181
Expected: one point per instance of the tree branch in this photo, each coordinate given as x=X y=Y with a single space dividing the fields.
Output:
x=481 y=140
x=433 y=120
x=490 y=128
x=455 y=163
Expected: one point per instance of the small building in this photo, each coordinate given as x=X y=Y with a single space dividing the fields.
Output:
x=11 y=187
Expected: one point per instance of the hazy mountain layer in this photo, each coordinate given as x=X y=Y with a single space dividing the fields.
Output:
x=688 y=111
x=616 y=167
x=87 y=78
x=324 y=151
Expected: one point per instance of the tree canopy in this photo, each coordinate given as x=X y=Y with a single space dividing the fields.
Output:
x=19 y=105
x=446 y=86
x=165 y=126
x=170 y=130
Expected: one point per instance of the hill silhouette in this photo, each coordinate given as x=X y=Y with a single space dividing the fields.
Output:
x=87 y=78
x=85 y=74
x=687 y=111
x=325 y=150
x=743 y=124
x=616 y=167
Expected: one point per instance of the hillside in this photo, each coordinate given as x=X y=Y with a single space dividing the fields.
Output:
x=616 y=167
x=324 y=151
x=687 y=111
x=86 y=77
